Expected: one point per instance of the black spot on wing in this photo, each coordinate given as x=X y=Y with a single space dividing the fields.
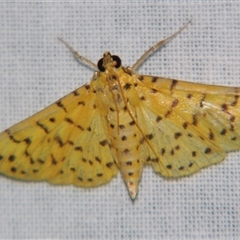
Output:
x=54 y=161
x=13 y=169
x=127 y=86
x=185 y=124
x=27 y=141
x=149 y=136
x=224 y=107
x=32 y=161
x=40 y=161
x=154 y=79
x=80 y=127
x=202 y=100
x=98 y=159
x=103 y=143
x=60 y=105
x=163 y=150
x=211 y=135
x=194 y=153
x=175 y=103
x=169 y=166
x=142 y=140
x=158 y=119
x=78 y=148
x=148 y=159
x=168 y=113
x=177 y=147
x=132 y=123
x=173 y=84
x=153 y=90
x=87 y=86
x=90 y=162
x=43 y=127
x=194 y=120
x=11 y=158
x=190 y=135
x=59 y=141
x=109 y=165
x=81 y=103
x=190 y=164
x=124 y=138
x=232 y=118
x=27 y=154
x=52 y=119
x=232 y=129
x=75 y=93
x=234 y=103
x=126 y=151
x=207 y=150
x=177 y=135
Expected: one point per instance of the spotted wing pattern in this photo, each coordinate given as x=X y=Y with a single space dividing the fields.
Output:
x=66 y=143
x=190 y=126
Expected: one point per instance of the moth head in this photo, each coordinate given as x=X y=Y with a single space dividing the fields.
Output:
x=107 y=61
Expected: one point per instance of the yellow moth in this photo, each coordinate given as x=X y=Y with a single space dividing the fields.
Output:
x=121 y=121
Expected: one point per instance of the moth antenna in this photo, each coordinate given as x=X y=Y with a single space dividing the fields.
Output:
x=78 y=56
x=157 y=46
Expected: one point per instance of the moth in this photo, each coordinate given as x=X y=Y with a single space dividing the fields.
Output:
x=121 y=121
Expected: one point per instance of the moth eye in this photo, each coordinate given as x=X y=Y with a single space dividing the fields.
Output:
x=118 y=61
x=100 y=65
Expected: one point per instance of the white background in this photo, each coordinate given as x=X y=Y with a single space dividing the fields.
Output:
x=36 y=70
